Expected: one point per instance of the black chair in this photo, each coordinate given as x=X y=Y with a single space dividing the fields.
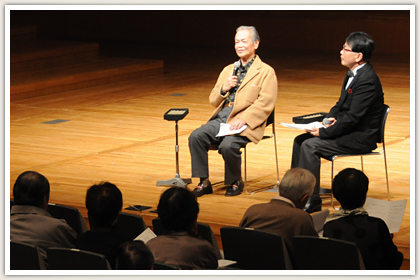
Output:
x=270 y=121
x=72 y=216
x=12 y=202
x=380 y=140
x=321 y=253
x=204 y=230
x=130 y=225
x=75 y=259
x=254 y=249
x=164 y=266
x=24 y=256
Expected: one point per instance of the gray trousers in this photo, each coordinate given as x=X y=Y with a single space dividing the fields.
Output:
x=229 y=147
x=308 y=150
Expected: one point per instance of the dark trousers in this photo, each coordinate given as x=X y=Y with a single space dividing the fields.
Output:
x=307 y=151
x=229 y=147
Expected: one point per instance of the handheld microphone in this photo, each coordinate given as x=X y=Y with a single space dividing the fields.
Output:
x=236 y=65
x=326 y=121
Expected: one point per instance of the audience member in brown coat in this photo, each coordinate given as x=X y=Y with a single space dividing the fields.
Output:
x=283 y=215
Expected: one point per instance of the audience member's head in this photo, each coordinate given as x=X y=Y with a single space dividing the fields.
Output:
x=350 y=187
x=134 y=255
x=297 y=185
x=361 y=42
x=178 y=210
x=31 y=188
x=104 y=202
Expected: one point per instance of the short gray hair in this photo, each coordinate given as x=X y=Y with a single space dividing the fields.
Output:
x=254 y=33
x=296 y=183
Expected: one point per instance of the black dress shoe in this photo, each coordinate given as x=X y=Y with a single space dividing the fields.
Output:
x=235 y=189
x=314 y=204
x=203 y=188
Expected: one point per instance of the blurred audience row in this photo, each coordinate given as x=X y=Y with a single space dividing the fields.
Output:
x=181 y=244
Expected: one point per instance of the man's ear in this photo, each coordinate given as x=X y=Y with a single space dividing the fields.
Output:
x=302 y=201
x=256 y=44
x=359 y=57
x=304 y=198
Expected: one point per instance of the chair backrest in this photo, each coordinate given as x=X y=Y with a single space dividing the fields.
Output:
x=72 y=216
x=381 y=134
x=75 y=259
x=164 y=266
x=270 y=119
x=12 y=202
x=130 y=225
x=25 y=257
x=319 y=218
x=320 y=253
x=254 y=249
x=204 y=230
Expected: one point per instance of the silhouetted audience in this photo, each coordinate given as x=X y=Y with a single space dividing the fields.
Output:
x=180 y=245
x=352 y=223
x=29 y=220
x=283 y=215
x=134 y=255
x=104 y=203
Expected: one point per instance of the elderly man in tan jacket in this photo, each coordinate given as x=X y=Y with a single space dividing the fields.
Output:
x=245 y=94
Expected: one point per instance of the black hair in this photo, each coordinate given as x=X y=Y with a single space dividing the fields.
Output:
x=31 y=188
x=104 y=203
x=361 y=42
x=178 y=209
x=350 y=187
x=134 y=255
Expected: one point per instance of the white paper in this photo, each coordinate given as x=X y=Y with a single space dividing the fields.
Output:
x=303 y=126
x=392 y=212
x=225 y=130
x=146 y=235
x=223 y=262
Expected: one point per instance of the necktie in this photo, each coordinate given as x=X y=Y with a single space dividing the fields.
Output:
x=350 y=73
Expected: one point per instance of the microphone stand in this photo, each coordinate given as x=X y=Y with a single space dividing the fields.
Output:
x=177 y=181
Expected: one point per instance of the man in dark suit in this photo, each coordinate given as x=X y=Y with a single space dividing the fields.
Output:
x=354 y=120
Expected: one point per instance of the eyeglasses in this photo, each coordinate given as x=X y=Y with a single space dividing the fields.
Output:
x=346 y=50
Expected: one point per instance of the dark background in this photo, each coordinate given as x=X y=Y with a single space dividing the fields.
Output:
x=281 y=32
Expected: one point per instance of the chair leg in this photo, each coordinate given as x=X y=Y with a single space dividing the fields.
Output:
x=245 y=185
x=277 y=169
x=361 y=162
x=332 y=179
x=277 y=161
x=386 y=174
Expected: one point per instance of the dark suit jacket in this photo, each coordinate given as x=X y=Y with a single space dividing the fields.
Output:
x=358 y=112
x=371 y=236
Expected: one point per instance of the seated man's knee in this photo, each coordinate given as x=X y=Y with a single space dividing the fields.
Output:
x=309 y=144
x=194 y=136
x=227 y=149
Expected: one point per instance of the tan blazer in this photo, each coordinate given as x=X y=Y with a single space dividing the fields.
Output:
x=254 y=100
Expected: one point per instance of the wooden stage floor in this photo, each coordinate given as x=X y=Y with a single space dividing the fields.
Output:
x=117 y=133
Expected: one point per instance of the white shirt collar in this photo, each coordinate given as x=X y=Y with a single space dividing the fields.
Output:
x=357 y=68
